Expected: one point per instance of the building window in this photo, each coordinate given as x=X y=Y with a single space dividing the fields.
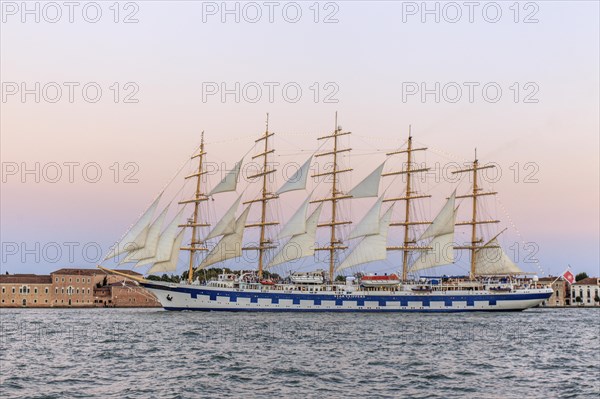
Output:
x=89 y=280
x=56 y=290
x=77 y=280
x=35 y=290
x=3 y=290
x=70 y=280
x=57 y=279
x=46 y=290
x=63 y=279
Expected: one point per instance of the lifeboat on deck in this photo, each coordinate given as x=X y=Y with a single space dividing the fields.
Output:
x=267 y=282
x=379 y=281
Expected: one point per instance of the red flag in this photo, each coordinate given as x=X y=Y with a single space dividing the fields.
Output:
x=569 y=277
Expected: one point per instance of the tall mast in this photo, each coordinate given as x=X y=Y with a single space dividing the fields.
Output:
x=409 y=171
x=193 y=223
x=476 y=193
x=336 y=195
x=264 y=242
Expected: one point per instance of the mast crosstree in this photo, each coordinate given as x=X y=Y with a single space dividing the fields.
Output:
x=194 y=223
x=475 y=194
x=410 y=195
x=264 y=243
x=335 y=242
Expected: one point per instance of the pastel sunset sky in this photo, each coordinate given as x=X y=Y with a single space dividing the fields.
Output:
x=369 y=61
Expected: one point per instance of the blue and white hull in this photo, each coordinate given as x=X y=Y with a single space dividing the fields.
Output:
x=207 y=298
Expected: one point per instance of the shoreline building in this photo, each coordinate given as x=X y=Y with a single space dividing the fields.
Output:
x=586 y=292
x=560 y=297
x=73 y=288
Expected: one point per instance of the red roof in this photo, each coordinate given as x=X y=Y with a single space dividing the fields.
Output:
x=588 y=281
x=78 y=272
x=390 y=277
x=25 y=279
x=89 y=272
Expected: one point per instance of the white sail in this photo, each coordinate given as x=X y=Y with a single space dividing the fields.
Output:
x=369 y=224
x=170 y=264
x=152 y=236
x=230 y=246
x=138 y=243
x=443 y=222
x=372 y=247
x=165 y=242
x=440 y=254
x=493 y=260
x=298 y=180
x=369 y=186
x=229 y=182
x=227 y=223
x=297 y=223
x=136 y=236
x=300 y=245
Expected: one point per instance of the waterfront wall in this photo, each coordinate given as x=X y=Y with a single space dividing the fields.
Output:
x=73 y=288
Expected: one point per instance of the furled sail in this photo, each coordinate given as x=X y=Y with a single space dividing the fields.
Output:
x=229 y=182
x=442 y=245
x=372 y=247
x=369 y=224
x=227 y=223
x=298 y=180
x=170 y=264
x=369 y=186
x=297 y=223
x=136 y=236
x=165 y=242
x=152 y=237
x=491 y=259
x=230 y=246
x=300 y=245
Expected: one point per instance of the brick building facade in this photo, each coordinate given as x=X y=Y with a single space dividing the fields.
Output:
x=560 y=296
x=73 y=288
x=31 y=290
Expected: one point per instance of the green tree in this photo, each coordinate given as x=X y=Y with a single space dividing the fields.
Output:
x=581 y=276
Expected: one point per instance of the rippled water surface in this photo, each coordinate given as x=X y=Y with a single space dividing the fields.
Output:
x=127 y=353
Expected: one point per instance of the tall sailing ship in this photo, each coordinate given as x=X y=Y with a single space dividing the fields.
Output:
x=494 y=281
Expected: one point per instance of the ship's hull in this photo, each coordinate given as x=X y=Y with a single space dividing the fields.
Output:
x=203 y=298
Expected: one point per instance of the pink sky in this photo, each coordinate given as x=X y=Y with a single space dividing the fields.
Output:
x=368 y=55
